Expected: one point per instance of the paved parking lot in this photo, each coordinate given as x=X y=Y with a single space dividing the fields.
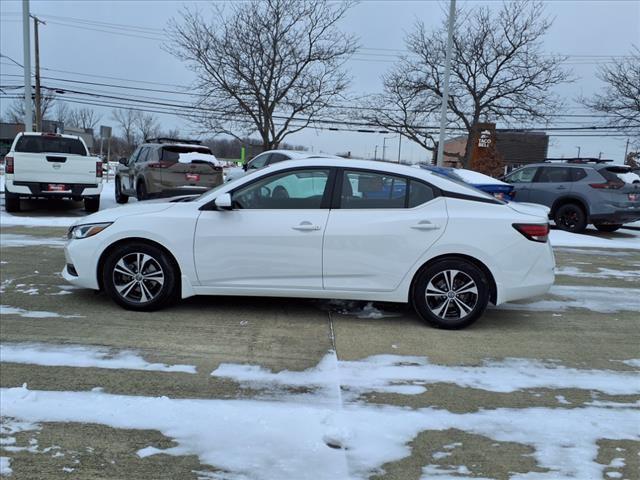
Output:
x=510 y=363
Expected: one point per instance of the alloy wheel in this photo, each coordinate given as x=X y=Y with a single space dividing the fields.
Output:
x=138 y=277
x=451 y=294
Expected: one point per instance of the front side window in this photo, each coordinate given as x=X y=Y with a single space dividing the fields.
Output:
x=554 y=175
x=372 y=190
x=143 y=155
x=524 y=175
x=298 y=189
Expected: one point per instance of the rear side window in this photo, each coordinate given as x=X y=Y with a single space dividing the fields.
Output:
x=50 y=144
x=554 y=175
x=419 y=193
x=171 y=154
x=578 y=174
x=372 y=190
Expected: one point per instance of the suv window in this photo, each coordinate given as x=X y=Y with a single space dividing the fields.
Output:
x=372 y=190
x=298 y=189
x=50 y=144
x=577 y=174
x=554 y=175
x=143 y=155
x=524 y=175
x=170 y=154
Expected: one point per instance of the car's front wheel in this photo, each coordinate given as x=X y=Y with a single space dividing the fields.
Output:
x=139 y=276
x=451 y=294
x=120 y=197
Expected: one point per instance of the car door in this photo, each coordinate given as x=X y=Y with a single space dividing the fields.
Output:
x=383 y=224
x=521 y=180
x=272 y=238
x=550 y=183
x=135 y=164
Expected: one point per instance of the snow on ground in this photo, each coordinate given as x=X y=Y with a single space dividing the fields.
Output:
x=8 y=310
x=409 y=375
x=593 y=239
x=13 y=240
x=597 y=299
x=601 y=273
x=82 y=356
x=5 y=466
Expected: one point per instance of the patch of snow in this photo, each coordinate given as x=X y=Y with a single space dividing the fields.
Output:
x=439 y=472
x=68 y=469
x=441 y=455
x=477 y=178
x=629 y=177
x=8 y=310
x=634 y=362
x=597 y=299
x=408 y=375
x=355 y=308
x=5 y=466
x=601 y=273
x=614 y=475
x=562 y=400
x=148 y=451
x=598 y=252
x=617 y=463
x=202 y=157
x=13 y=240
x=82 y=356
x=594 y=239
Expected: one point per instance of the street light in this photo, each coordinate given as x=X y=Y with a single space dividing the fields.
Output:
x=578 y=151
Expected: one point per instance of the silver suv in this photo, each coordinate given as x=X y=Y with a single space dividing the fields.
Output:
x=579 y=193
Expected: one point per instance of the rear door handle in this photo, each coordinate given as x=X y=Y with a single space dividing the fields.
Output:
x=425 y=225
x=306 y=227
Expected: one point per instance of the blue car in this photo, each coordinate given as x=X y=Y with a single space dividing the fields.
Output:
x=490 y=185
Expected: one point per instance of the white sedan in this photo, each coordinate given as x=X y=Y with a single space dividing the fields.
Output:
x=321 y=228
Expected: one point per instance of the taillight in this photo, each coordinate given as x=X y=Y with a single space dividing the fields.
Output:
x=610 y=185
x=98 y=169
x=8 y=164
x=158 y=165
x=533 y=231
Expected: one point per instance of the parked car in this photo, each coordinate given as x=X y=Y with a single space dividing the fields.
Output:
x=579 y=194
x=319 y=228
x=268 y=158
x=50 y=165
x=164 y=167
x=492 y=186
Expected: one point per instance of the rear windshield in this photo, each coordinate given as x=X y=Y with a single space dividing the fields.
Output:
x=170 y=154
x=45 y=144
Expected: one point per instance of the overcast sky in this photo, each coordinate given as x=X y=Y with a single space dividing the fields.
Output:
x=587 y=31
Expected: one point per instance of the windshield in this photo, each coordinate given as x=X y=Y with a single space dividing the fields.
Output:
x=50 y=144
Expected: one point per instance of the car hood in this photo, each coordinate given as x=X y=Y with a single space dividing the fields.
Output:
x=112 y=214
x=530 y=209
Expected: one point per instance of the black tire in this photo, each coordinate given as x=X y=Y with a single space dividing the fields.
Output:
x=120 y=197
x=116 y=281
x=11 y=202
x=92 y=204
x=571 y=218
x=428 y=302
x=608 y=227
x=141 y=191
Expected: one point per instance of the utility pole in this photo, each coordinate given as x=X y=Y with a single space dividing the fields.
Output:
x=26 y=52
x=375 y=153
x=445 y=90
x=400 y=145
x=626 y=150
x=36 y=21
x=384 y=147
x=578 y=151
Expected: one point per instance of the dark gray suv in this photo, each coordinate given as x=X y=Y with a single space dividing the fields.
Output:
x=579 y=193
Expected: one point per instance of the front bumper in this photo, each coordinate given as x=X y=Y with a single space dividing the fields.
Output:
x=617 y=217
x=84 y=263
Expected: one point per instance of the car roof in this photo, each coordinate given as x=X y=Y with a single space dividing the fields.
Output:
x=168 y=144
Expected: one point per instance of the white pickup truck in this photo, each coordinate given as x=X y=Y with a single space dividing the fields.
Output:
x=50 y=165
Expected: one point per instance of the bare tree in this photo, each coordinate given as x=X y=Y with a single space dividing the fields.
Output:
x=126 y=120
x=498 y=73
x=15 y=111
x=620 y=99
x=147 y=125
x=84 y=118
x=264 y=66
x=62 y=113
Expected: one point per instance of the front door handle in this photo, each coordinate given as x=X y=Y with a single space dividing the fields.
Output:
x=425 y=225
x=306 y=227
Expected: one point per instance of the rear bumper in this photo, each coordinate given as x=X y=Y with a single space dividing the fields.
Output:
x=617 y=217
x=38 y=189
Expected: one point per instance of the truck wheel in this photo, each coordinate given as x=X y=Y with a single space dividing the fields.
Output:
x=92 y=204
x=120 y=197
x=141 y=191
x=607 y=228
x=11 y=202
x=571 y=218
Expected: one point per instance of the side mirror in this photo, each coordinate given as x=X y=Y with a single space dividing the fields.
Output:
x=122 y=160
x=245 y=166
x=223 y=202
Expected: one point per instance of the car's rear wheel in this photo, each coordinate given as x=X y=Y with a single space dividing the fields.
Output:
x=141 y=191
x=607 y=227
x=139 y=276
x=11 y=202
x=120 y=197
x=92 y=204
x=571 y=218
x=451 y=294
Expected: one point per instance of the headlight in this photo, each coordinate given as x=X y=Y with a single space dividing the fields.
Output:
x=86 y=231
